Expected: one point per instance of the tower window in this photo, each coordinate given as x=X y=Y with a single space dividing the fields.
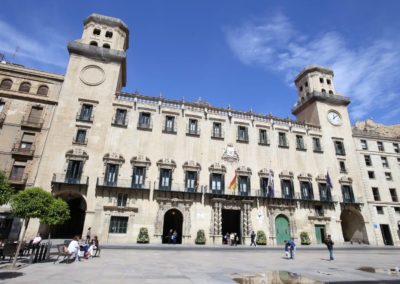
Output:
x=94 y=43
x=364 y=144
x=379 y=210
x=321 y=80
x=6 y=84
x=306 y=84
x=323 y=91
x=42 y=91
x=25 y=87
x=96 y=31
x=342 y=166
x=330 y=92
x=106 y=45
x=375 y=193
x=301 y=88
x=109 y=34
x=371 y=174
x=328 y=81
x=368 y=161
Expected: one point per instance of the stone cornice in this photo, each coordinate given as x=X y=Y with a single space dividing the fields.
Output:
x=321 y=97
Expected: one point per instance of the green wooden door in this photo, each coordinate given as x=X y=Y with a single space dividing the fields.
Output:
x=282 y=229
x=320 y=233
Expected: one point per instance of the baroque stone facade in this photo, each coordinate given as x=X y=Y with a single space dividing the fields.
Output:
x=124 y=161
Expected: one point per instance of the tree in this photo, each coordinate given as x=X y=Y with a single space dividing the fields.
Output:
x=30 y=203
x=6 y=191
x=58 y=213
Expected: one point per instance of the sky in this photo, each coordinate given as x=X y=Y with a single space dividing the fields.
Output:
x=242 y=54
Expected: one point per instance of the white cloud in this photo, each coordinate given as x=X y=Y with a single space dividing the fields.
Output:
x=45 y=47
x=368 y=72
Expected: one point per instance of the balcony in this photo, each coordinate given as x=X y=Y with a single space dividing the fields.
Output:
x=170 y=129
x=121 y=183
x=18 y=180
x=34 y=123
x=70 y=180
x=145 y=125
x=193 y=131
x=355 y=200
x=79 y=141
x=120 y=122
x=263 y=142
x=301 y=148
x=217 y=134
x=318 y=150
x=242 y=138
x=177 y=187
x=84 y=117
x=26 y=151
x=283 y=144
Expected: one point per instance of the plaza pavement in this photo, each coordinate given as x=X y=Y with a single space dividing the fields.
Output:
x=196 y=264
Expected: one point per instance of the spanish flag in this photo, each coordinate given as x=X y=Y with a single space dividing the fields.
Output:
x=233 y=183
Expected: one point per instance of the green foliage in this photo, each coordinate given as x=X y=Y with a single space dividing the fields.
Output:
x=261 y=238
x=143 y=237
x=6 y=191
x=58 y=213
x=305 y=239
x=31 y=203
x=200 y=238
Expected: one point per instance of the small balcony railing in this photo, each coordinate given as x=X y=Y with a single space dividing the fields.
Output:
x=318 y=150
x=217 y=134
x=18 y=179
x=36 y=123
x=118 y=121
x=72 y=180
x=145 y=125
x=84 y=117
x=79 y=141
x=179 y=187
x=242 y=138
x=283 y=144
x=354 y=200
x=23 y=151
x=170 y=129
x=193 y=131
x=121 y=183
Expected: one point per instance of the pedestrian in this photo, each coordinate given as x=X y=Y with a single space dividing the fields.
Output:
x=236 y=239
x=292 y=248
x=232 y=238
x=329 y=244
x=174 y=237
x=170 y=233
x=74 y=248
x=287 y=245
x=89 y=232
x=253 y=239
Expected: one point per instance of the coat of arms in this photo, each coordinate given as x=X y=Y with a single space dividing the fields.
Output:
x=230 y=154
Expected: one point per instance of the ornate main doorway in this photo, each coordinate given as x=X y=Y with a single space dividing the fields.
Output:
x=231 y=223
x=173 y=221
x=282 y=229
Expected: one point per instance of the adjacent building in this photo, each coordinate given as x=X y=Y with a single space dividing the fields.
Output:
x=124 y=161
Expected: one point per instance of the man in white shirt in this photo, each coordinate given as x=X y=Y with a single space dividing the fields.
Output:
x=74 y=247
x=37 y=240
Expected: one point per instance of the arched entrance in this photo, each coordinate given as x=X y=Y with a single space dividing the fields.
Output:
x=173 y=220
x=353 y=227
x=282 y=229
x=74 y=226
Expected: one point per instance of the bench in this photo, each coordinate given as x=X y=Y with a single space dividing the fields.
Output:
x=62 y=252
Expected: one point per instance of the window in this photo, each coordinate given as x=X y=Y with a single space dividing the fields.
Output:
x=301 y=88
x=393 y=194
x=165 y=179
x=306 y=84
x=138 y=177
x=106 y=45
x=306 y=190
x=86 y=113
x=109 y=34
x=122 y=199
x=328 y=81
x=319 y=211
x=321 y=80
x=193 y=128
x=339 y=148
x=379 y=210
x=371 y=174
x=243 y=135
x=396 y=147
x=217 y=183
x=368 y=161
x=282 y=140
x=364 y=144
x=330 y=92
x=375 y=193
x=380 y=146
x=6 y=84
x=348 y=196
x=264 y=186
x=287 y=188
x=342 y=167
x=317 y=144
x=169 y=126
x=144 y=120
x=118 y=225
x=74 y=171
x=263 y=138
x=81 y=137
x=96 y=31
x=397 y=210
x=244 y=185
x=385 y=163
x=25 y=87
x=324 y=192
x=111 y=176
x=216 y=130
x=93 y=43
x=17 y=173
x=27 y=140
x=191 y=181
x=388 y=176
x=300 y=143
x=120 y=117
x=42 y=91
x=323 y=91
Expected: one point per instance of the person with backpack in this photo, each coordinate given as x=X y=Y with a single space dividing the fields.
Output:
x=329 y=244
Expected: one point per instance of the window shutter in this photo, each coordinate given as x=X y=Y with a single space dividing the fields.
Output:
x=311 y=190
x=282 y=188
x=248 y=185
x=80 y=168
x=170 y=178
x=291 y=188
x=69 y=169
x=222 y=182
x=186 y=179
x=211 y=176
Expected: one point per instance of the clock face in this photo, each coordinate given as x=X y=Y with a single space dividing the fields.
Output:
x=334 y=118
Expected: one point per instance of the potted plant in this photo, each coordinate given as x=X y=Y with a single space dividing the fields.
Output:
x=143 y=237
x=261 y=238
x=304 y=238
x=200 y=238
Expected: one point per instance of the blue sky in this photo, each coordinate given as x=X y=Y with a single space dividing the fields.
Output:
x=239 y=53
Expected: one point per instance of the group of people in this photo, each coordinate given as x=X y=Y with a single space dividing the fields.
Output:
x=77 y=246
x=290 y=248
x=231 y=239
x=172 y=236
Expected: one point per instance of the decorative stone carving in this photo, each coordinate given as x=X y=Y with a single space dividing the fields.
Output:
x=286 y=174
x=113 y=157
x=191 y=166
x=245 y=171
x=166 y=163
x=265 y=173
x=164 y=206
x=141 y=160
x=217 y=168
x=321 y=178
x=230 y=154
x=345 y=180
x=92 y=75
x=305 y=177
x=77 y=154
